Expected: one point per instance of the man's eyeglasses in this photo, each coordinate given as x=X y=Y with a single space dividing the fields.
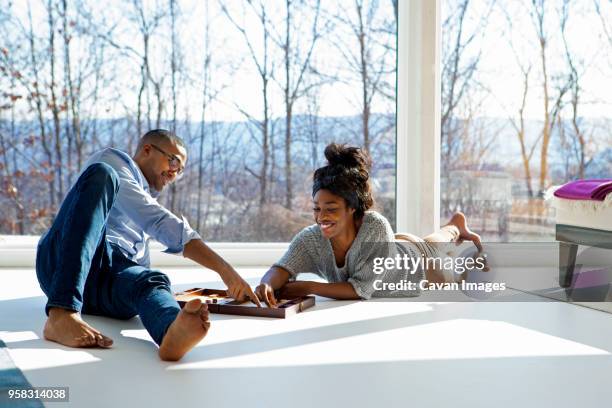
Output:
x=173 y=161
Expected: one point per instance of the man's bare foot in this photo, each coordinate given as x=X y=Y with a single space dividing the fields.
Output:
x=465 y=234
x=189 y=327
x=66 y=327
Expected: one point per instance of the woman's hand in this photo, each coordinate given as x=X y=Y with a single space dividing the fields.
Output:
x=265 y=292
x=296 y=289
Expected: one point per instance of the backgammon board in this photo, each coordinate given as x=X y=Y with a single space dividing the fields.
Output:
x=219 y=302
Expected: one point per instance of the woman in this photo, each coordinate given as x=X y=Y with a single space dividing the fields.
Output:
x=347 y=237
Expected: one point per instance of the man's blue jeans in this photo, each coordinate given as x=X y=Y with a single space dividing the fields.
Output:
x=78 y=269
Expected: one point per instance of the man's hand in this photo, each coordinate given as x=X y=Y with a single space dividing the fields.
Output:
x=265 y=292
x=238 y=289
x=293 y=290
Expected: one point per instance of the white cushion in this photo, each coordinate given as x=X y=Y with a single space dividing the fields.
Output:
x=584 y=213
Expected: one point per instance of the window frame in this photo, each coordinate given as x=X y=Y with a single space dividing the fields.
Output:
x=418 y=117
x=417 y=148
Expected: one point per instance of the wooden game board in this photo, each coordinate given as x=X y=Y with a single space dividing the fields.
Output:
x=219 y=302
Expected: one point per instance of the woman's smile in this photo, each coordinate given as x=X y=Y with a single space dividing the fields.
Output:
x=326 y=226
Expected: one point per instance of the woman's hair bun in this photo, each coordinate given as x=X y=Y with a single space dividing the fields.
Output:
x=347 y=156
x=346 y=175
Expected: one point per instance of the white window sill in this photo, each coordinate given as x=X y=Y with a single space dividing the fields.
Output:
x=20 y=251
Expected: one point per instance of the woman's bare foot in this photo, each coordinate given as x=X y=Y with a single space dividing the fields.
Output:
x=465 y=234
x=66 y=327
x=189 y=327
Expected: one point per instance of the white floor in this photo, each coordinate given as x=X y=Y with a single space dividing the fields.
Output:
x=376 y=353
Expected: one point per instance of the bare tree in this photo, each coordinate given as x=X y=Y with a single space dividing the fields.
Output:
x=9 y=184
x=174 y=63
x=366 y=56
x=576 y=73
x=98 y=51
x=552 y=105
x=518 y=116
x=54 y=105
x=296 y=60
x=461 y=57
x=206 y=99
x=147 y=27
x=39 y=104
x=519 y=127
x=604 y=17
x=20 y=67
x=72 y=93
x=265 y=68
x=312 y=126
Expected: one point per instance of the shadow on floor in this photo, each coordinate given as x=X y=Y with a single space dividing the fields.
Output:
x=27 y=315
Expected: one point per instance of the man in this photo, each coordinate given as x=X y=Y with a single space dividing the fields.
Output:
x=95 y=258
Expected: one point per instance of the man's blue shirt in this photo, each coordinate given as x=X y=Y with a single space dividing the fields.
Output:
x=136 y=215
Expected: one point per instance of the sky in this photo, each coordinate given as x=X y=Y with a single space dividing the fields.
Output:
x=239 y=86
x=499 y=71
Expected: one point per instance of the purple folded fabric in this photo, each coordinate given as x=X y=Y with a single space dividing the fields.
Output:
x=585 y=189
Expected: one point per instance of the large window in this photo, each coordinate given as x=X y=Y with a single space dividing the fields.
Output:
x=526 y=95
x=256 y=89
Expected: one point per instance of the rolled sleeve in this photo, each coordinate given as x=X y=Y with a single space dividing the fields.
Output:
x=297 y=259
x=363 y=277
x=187 y=235
x=363 y=282
x=363 y=292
